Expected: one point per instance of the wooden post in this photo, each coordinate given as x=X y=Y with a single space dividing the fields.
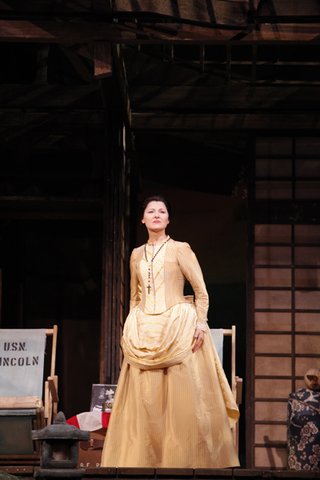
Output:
x=115 y=239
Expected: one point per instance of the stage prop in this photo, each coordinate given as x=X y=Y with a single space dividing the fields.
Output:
x=22 y=362
x=102 y=397
x=90 y=420
x=218 y=335
x=303 y=447
x=96 y=421
x=90 y=451
x=59 y=449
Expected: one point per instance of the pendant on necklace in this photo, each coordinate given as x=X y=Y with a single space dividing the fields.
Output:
x=151 y=262
x=149 y=278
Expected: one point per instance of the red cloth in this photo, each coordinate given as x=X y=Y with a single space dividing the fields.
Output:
x=90 y=420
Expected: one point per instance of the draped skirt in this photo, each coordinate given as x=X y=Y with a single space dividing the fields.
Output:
x=177 y=416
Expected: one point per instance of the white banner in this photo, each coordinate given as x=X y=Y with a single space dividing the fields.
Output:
x=22 y=362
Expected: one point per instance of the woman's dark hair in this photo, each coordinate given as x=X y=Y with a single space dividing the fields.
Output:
x=154 y=198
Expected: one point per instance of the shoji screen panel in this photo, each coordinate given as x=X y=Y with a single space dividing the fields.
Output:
x=285 y=272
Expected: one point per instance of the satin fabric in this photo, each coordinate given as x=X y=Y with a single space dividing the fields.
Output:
x=175 y=417
x=158 y=341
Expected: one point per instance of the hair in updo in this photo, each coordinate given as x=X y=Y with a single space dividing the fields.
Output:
x=154 y=198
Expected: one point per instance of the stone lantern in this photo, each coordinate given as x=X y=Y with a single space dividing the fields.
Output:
x=59 y=449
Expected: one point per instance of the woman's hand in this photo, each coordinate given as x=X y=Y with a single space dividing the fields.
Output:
x=199 y=336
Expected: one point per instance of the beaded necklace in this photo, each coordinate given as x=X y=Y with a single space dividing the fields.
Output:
x=150 y=263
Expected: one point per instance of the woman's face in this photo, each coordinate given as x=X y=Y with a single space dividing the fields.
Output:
x=312 y=378
x=156 y=217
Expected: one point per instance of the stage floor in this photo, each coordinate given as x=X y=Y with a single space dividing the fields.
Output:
x=26 y=472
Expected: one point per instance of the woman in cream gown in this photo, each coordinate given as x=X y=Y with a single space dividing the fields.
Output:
x=173 y=405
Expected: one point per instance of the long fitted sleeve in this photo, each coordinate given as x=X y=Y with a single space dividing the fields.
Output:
x=191 y=270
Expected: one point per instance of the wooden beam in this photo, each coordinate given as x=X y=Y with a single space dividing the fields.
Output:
x=40 y=31
x=177 y=33
x=227 y=12
x=70 y=33
x=202 y=99
x=202 y=10
x=53 y=389
x=102 y=60
x=158 y=121
x=199 y=11
x=20 y=402
x=284 y=33
x=181 y=31
x=192 y=34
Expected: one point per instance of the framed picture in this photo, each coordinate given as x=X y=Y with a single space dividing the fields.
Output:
x=102 y=397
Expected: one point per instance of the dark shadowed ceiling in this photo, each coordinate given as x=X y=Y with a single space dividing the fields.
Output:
x=193 y=79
